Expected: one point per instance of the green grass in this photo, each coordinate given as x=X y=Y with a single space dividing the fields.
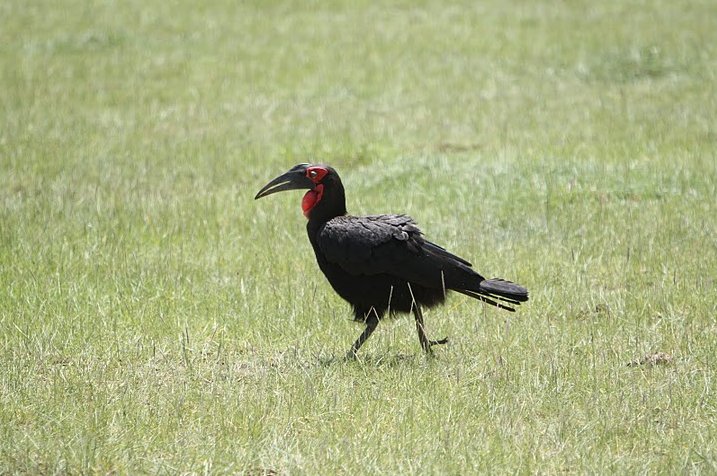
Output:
x=155 y=319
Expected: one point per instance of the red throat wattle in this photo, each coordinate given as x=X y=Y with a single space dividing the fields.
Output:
x=311 y=198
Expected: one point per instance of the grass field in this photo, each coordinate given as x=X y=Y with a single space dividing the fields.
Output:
x=154 y=318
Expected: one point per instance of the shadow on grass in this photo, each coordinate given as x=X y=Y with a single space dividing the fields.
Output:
x=378 y=360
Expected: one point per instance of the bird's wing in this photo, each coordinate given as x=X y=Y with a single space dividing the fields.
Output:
x=386 y=244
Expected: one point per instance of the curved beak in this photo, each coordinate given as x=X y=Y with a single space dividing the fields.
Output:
x=294 y=179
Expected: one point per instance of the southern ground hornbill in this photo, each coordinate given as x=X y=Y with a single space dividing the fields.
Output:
x=382 y=263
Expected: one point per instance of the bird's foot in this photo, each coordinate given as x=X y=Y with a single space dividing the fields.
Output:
x=438 y=342
x=427 y=345
x=350 y=355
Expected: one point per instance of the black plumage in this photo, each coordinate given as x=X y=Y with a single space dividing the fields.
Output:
x=382 y=263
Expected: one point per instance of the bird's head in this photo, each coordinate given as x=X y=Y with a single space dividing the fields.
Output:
x=326 y=193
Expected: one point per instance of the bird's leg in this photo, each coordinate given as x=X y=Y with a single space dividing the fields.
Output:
x=422 y=338
x=371 y=324
x=426 y=343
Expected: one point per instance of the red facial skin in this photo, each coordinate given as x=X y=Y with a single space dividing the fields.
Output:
x=312 y=197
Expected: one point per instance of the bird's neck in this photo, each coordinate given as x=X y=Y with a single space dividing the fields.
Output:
x=331 y=204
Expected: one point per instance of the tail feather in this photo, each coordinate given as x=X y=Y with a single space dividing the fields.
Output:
x=506 y=289
x=497 y=297
x=493 y=290
x=488 y=300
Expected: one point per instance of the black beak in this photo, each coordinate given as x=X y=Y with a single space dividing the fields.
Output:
x=294 y=179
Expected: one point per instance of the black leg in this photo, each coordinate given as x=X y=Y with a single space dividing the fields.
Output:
x=422 y=338
x=371 y=325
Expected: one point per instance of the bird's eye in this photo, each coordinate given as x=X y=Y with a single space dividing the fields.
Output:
x=313 y=173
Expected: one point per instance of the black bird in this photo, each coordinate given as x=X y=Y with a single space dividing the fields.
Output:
x=382 y=263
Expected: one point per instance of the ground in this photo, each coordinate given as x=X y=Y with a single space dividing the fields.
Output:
x=154 y=318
